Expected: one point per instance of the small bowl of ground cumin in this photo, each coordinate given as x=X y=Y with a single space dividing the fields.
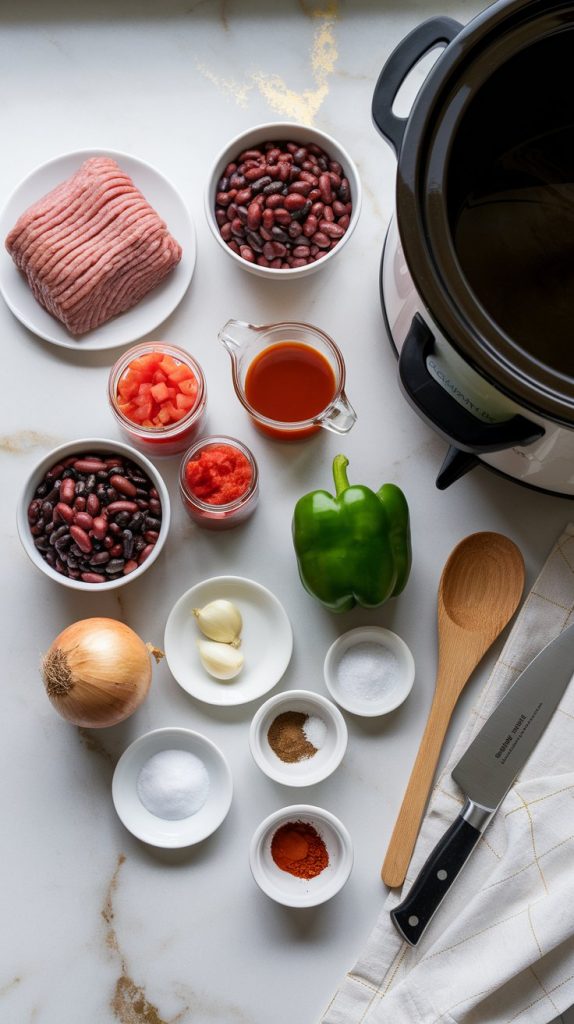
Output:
x=298 y=737
x=301 y=855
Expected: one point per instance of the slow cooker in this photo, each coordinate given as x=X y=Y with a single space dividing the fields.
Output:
x=477 y=274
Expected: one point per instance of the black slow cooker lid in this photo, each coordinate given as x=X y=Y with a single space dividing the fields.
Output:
x=485 y=200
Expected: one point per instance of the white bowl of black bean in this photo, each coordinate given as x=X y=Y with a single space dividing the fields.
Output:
x=283 y=199
x=94 y=514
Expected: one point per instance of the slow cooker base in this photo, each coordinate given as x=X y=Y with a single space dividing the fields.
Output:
x=480 y=462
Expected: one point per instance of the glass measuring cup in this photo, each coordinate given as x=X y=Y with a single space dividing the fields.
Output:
x=247 y=343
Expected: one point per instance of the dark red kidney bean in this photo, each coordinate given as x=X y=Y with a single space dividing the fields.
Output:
x=301 y=188
x=221 y=217
x=242 y=214
x=130 y=566
x=299 y=262
x=237 y=181
x=301 y=251
x=34 y=510
x=254 y=240
x=300 y=155
x=335 y=180
x=268 y=251
x=315 y=195
x=311 y=179
x=55 y=471
x=84 y=520
x=151 y=536
x=232 y=211
x=339 y=209
x=123 y=485
x=145 y=553
x=333 y=231
x=63 y=513
x=99 y=527
x=265 y=234
x=233 y=246
x=262 y=262
x=294 y=202
x=81 y=538
x=268 y=218
x=284 y=171
x=246 y=252
x=92 y=577
x=93 y=504
x=328 y=214
x=116 y=550
x=294 y=229
x=89 y=465
x=253 y=216
x=274 y=202
x=237 y=228
x=243 y=197
x=252 y=174
x=155 y=506
x=344 y=222
x=325 y=188
x=322 y=240
x=225 y=232
x=121 y=506
x=47 y=510
x=317 y=209
x=67 y=491
x=223 y=199
x=283 y=217
x=108 y=542
x=250 y=154
x=310 y=226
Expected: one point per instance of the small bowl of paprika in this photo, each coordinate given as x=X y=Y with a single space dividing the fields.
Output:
x=301 y=855
x=219 y=482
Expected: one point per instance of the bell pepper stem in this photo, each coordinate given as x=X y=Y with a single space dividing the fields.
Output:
x=340 y=463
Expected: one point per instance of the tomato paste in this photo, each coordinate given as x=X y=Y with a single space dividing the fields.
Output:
x=218 y=474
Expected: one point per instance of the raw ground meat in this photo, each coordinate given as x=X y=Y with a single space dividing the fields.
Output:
x=92 y=247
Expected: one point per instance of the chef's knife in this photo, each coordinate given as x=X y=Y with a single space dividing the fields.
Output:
x=485 y=773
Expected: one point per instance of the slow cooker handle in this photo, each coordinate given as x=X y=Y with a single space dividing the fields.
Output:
x=443 y=413
x=402 y=60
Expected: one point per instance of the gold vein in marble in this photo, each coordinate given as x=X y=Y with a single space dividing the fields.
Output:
x=129 y=1002
x=304 y=106
x=25 y=440
x=298 y=105
x=238 y=90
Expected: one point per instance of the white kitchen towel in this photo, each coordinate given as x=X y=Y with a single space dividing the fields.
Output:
x=500 y=950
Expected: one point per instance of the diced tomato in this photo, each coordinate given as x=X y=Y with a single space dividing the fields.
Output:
x=160 y=392
x=156 y=390
x=188 y=387
x=184 y=402
x=168 y=365
x=180 y=373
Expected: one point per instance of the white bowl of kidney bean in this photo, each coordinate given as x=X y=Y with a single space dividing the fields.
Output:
x=94 y=514
x=283 y=199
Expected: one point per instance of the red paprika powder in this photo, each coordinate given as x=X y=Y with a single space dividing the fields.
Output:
x=298 y=848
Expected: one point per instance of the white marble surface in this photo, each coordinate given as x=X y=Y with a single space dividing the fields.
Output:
x=96 y=927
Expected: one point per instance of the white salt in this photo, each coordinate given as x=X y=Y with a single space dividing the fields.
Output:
x=315 y=731
x=173 y=784
x=367 y=671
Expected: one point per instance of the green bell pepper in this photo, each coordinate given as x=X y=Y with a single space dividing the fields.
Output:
x=354 y=548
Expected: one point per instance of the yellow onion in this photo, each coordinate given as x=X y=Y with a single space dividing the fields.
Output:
x=97 y=672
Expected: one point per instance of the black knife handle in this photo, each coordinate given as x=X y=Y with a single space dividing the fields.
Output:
x=435 y=878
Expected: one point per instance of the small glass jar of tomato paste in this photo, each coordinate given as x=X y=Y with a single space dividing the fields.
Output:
x=158 y=395
x=219 y=482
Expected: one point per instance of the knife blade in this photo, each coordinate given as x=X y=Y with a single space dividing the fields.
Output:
x=485 y=773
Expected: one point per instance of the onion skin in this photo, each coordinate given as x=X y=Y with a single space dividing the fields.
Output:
x=97 y=672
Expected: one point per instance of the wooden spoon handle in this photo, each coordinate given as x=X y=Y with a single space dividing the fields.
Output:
x=407 y=825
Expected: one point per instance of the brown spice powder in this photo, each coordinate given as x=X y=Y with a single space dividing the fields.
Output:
x=287 y=738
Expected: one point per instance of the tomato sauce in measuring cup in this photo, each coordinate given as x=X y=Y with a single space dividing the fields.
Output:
x=290 y=377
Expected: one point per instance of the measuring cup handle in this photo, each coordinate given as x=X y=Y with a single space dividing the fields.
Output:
x=340 y=416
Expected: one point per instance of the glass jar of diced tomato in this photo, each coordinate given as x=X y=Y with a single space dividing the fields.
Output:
x=158 y=395
x=219 y=482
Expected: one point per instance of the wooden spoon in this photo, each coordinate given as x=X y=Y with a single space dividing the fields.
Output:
x=479 y=591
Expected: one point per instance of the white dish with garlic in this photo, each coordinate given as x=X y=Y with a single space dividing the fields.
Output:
x=234 y=671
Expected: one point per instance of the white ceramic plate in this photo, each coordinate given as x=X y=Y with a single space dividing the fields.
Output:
x=153 y=308
x=158 y=831
x=266 y=641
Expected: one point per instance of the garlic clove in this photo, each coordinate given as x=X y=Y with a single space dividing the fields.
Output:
x=219 y=620
x=223 y=661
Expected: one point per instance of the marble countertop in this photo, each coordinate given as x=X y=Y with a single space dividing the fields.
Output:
x=98 y=928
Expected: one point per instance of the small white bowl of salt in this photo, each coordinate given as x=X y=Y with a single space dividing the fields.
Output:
x=172 y=787
x=369 y=671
